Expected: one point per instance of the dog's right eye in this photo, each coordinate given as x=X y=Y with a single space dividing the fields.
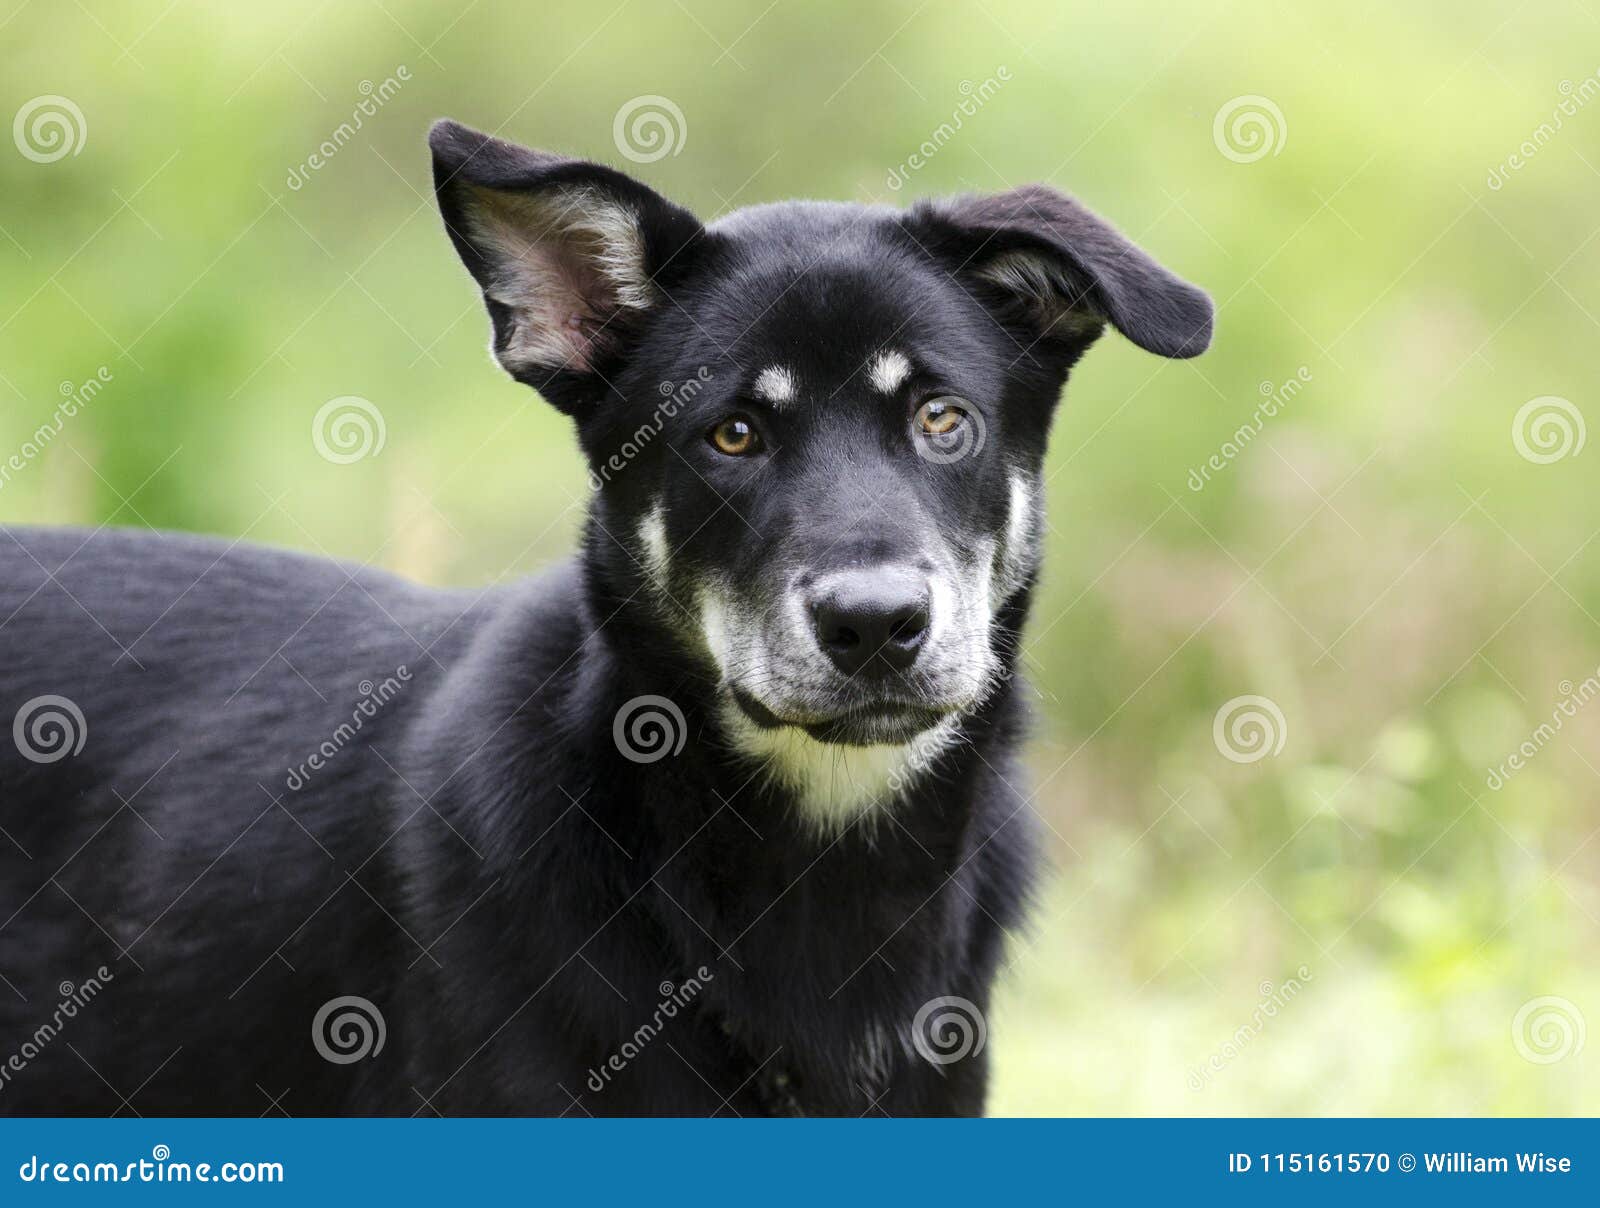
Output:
x=735 y=437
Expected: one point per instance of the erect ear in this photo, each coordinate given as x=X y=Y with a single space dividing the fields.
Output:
x=1061 y=272
x=571 y=255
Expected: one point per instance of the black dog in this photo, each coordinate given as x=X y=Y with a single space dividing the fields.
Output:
x=723 y=818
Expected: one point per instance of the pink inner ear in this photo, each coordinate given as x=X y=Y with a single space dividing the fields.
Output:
x=579 y=307
x=553 y=267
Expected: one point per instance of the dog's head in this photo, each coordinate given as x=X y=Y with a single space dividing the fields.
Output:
x=815 y=430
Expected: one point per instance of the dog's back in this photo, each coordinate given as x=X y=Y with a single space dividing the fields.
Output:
x=194 y=764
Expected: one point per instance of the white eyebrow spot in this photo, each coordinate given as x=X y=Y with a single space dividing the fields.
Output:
x=775 y=384
x=888 y=370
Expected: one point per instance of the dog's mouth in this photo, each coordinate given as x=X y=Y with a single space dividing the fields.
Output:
x=868 y=724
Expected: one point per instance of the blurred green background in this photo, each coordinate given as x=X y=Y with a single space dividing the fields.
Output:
x=1412 y=593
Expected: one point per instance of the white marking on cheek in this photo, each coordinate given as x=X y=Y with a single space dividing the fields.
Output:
x=775 y=384
x=653 y=540
x=888 y=370
x=1019 y=526
x=714 y=625
x=1018 y=552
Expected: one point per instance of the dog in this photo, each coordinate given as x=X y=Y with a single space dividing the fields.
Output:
x=723 y=817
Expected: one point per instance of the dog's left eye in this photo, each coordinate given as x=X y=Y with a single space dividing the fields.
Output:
x=735 y=436
x=939 y=417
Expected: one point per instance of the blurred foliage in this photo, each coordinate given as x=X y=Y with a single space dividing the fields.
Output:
x=1380 y=562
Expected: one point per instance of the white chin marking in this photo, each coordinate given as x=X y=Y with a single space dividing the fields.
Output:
x=775 y=384
x=888 y=370
x=834 y=785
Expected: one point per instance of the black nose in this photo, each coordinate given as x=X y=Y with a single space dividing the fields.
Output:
x=871 y=621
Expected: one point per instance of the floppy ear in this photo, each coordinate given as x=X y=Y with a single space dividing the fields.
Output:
x=570 y=255
x=1061 y=272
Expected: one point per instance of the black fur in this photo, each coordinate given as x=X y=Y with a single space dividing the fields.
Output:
x=477 y=858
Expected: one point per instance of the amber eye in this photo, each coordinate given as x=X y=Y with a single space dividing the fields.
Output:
x=940 y=417
x=735 y=436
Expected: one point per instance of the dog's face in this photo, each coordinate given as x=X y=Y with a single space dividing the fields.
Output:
x=815 y=430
